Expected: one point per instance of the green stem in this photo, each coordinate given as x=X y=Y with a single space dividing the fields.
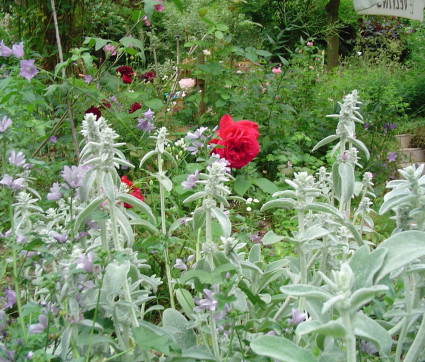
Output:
x=417 y=346
x=406 y=319
x=214 y=337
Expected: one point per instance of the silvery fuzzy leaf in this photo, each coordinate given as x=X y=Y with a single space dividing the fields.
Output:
x=274 y=265
x=372 y=331
x=325 y=141
x=108 y=186
x=146 y=157
x=115 y=277
x=255 y=253
x=122 y=157
x=185 y=300
x=281 y=349
x=137 y=205
x=285 y=194
x=164 y=181
x=403 y=248
x=322 y=207
x=359 y=145
x=270 y=238
x=176 y=224
x=123 y=162
x=173 y=319
x=170 y=157
x=92 y=161
x=265 y=279
x=146 y=224
x=400 y=190
x=313 y=233
x=332 y=302
x=292 y=184
x=195 y=196
x=334 y=328
x=125 y=227
x=396 y=201
x=285 y=203
x=346 y=172
x=222 y=199
x=86 y=212
x=365 y=264
x=89 y=323
x=364 y=295
x=199 y=216
x=223 y=220
x=308 y=291
x=89 y=179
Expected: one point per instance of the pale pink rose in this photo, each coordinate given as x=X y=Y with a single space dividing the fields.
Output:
x=186 y=83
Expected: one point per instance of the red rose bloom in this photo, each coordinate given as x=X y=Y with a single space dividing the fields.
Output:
x=135 y=107
x=148 y=76
x=134 y=191
x=239 y=140
x=96 y=111
x=126 y=73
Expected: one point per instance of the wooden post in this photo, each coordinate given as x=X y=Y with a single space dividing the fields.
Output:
x=332 y=8
x=200 y=59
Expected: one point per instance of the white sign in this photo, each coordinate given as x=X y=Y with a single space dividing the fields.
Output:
x=364 y=4
x=411 y=9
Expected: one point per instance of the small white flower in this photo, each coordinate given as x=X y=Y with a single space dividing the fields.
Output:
x=256 y=200
x=359 y=53
x=206 y=52
x=249 y=200
x=248 y=209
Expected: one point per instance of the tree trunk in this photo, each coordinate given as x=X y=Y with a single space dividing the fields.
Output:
x=332 y=8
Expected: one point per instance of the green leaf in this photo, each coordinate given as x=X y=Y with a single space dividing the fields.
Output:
x=332 y=328
x=146 y=157
x=364 y=295
x=314 y=232
x=195 y=196
x=241 y=184
x=154 y=104
x=365 y=265
x=322 y=207
x=403 y=248
x=108 y=186
x=126 y=41
x=280 y=348
x=115 y=277
x=199 y=216
x=146 y=224
x=86 y=212
x=271 y=238
x=137 y=205
x=150 y=337
x=255 y=253
x=372 y=331
x=360 y=145
x=178 y=5
x=266 y=185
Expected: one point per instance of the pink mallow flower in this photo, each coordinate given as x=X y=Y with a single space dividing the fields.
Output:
x=277 y=70
x=160 y=7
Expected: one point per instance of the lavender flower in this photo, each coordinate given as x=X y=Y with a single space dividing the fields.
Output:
x=297 y=317
x=207 y=303
x=55 y=192
x=198 y=134
x=16 y=184
x=392 y=126
x=392 y=156
x=367 y=347
x=366 y=126
x=4 y=50
x=190 y=183
x=5 y=123
x=10 y=298
x=149 y=115
x=53 y=138
x=180 y=264
x=18 y=50
x=17 y=159
x=85 y=262
x=145 y=125
x=10 y=355
x=28 y=69
x=74 y=175
x=39 y=327
x=61 y=238
x=194 y=147
x=88 y=79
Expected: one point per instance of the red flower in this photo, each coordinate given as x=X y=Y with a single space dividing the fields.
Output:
x=134 y=191
x=96 y=111
x=148 y=76
x=135 y=107
x=126 y=73
x=239 y=140
x=106 y=104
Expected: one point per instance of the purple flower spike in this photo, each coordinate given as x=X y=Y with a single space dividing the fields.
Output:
x=28 y=69
x=55 y=192
x=145 y=125
x=85 y=262
x=207 y=303
x=4 y=50
x=392 y=156
x=180 y=264
x=392 y=126
x=39 y=327
x=74 y=175
x=190 y=183
x=61 y=238
x=18 y=50
x=17 y=159
x=87 y=79
x=5 y=123
x=10 y=298
x=149 y=115
x=367 y=347
x=297 y=317
x=13 y=184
